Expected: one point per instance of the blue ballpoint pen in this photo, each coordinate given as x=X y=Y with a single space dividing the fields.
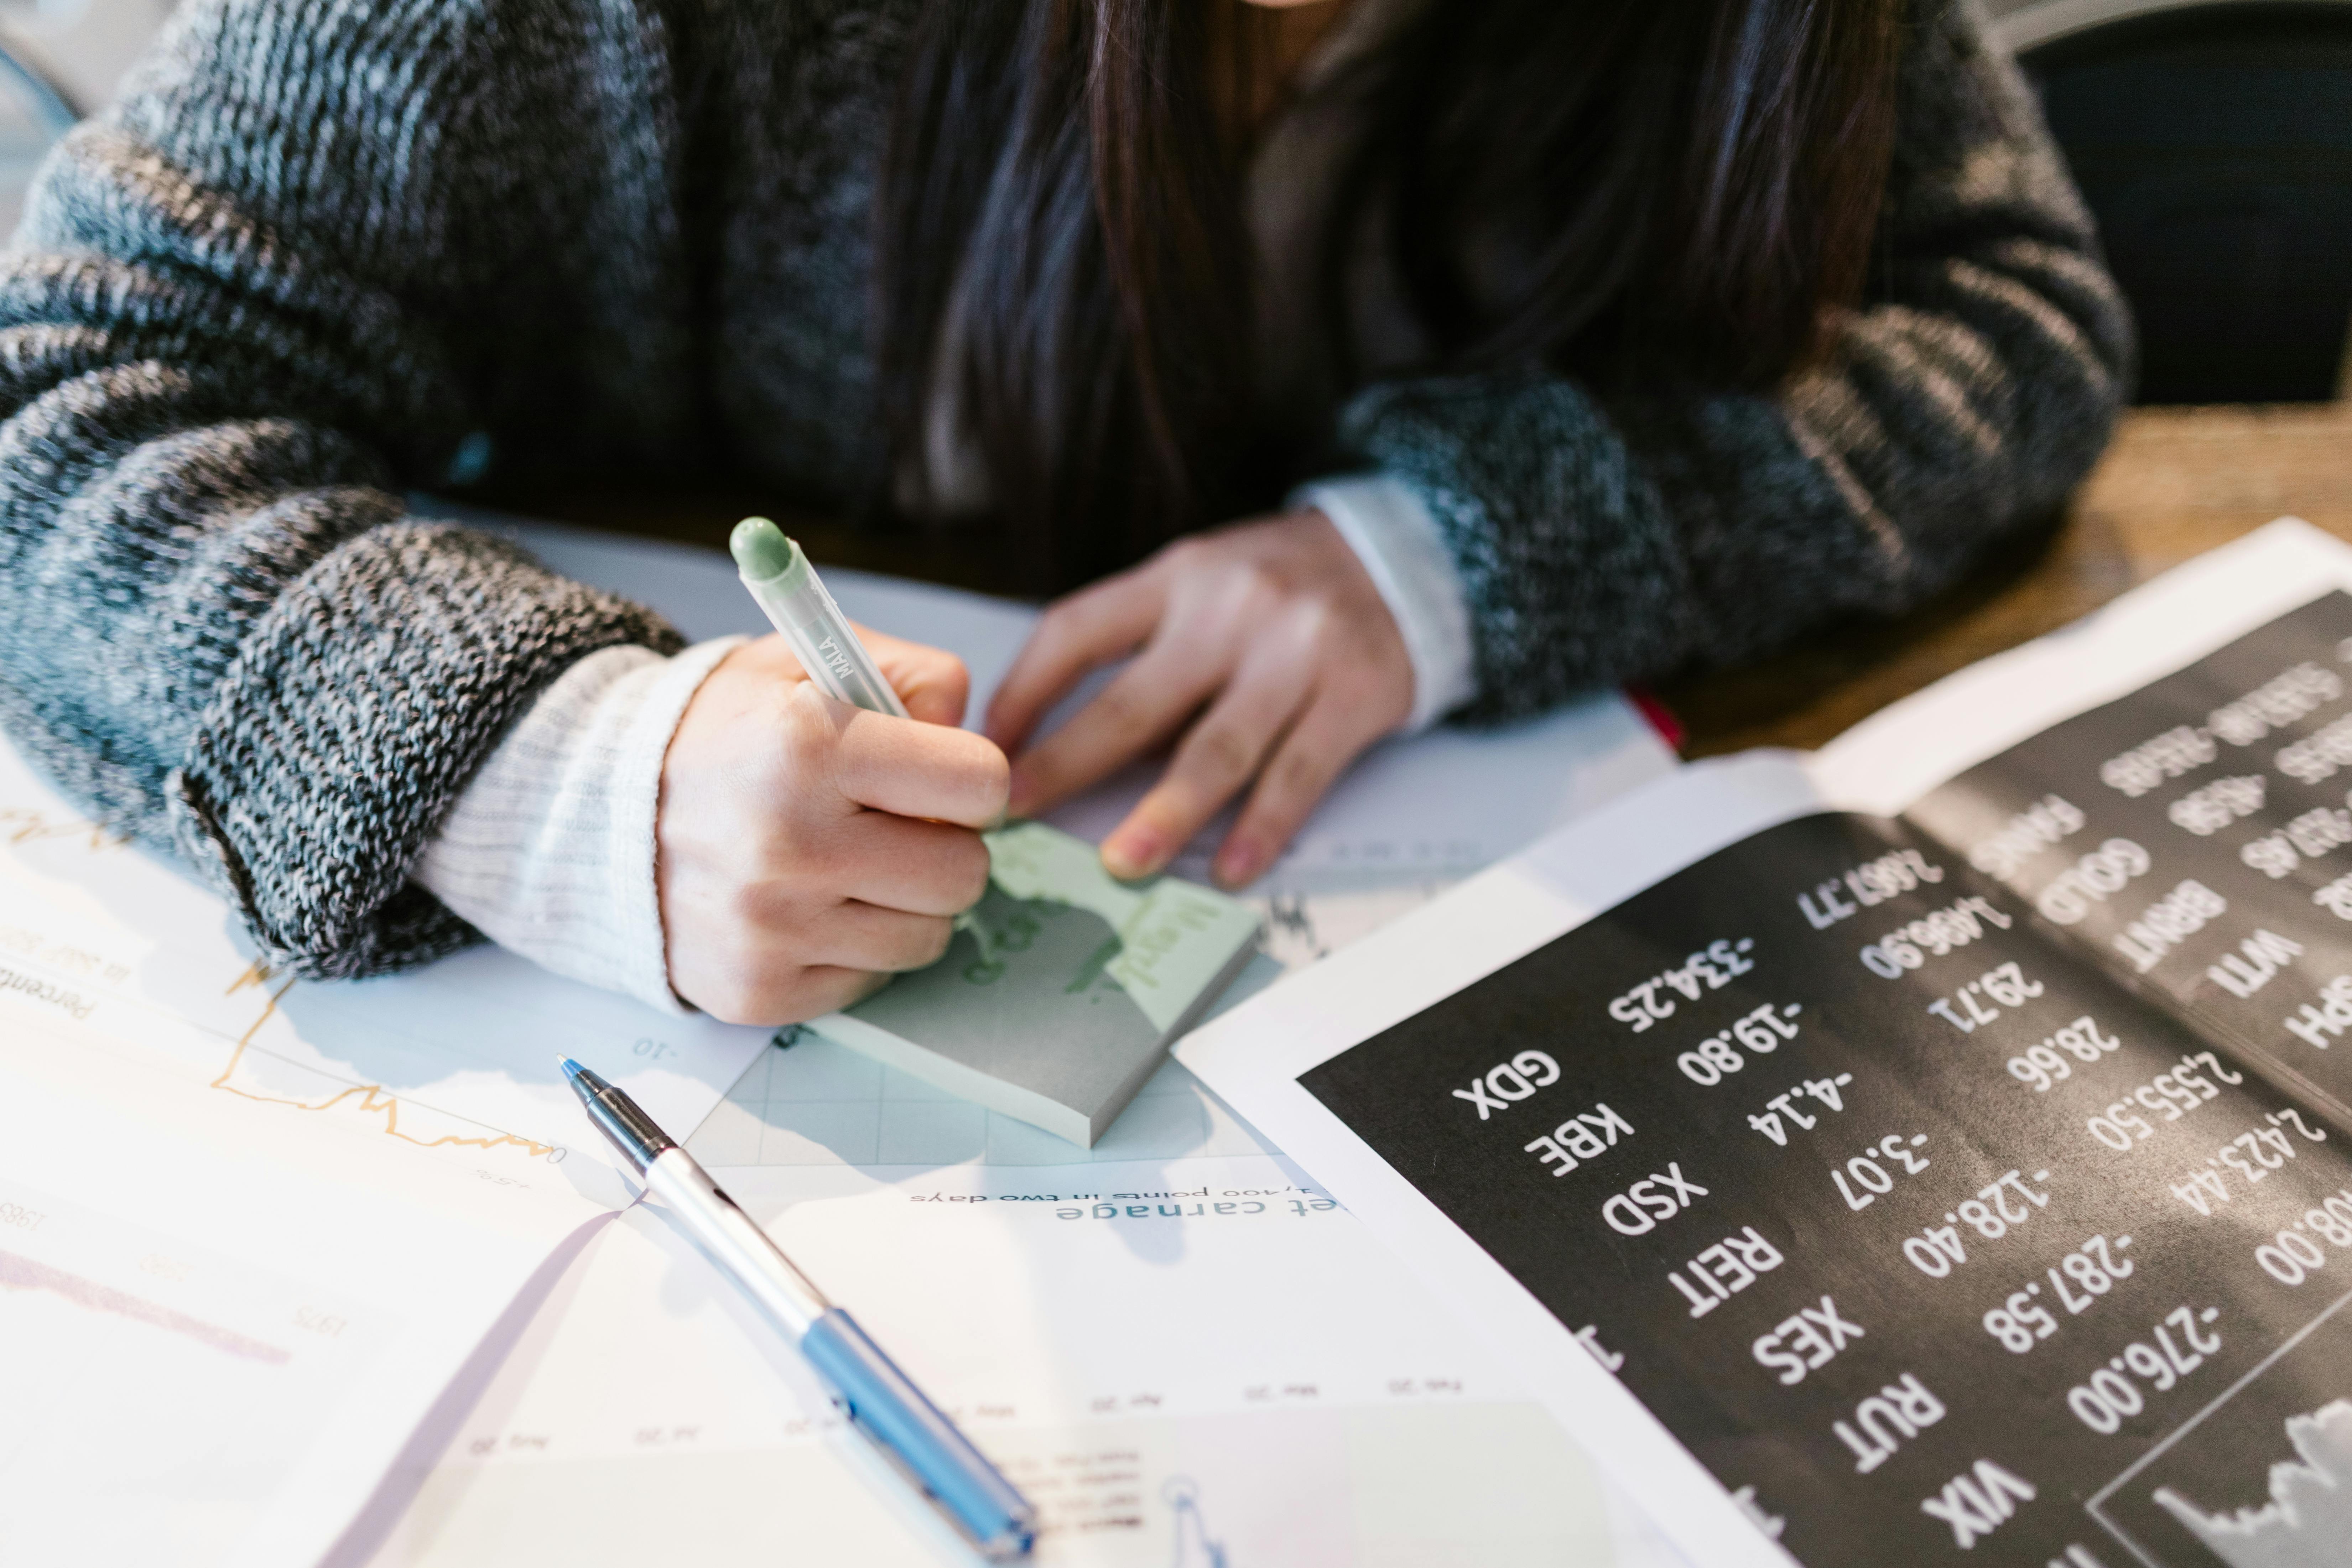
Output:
x=879 y=1399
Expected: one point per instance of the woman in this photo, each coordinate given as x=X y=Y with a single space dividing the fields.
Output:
x=1586 y=341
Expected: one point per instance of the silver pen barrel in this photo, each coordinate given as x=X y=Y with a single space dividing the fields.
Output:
x=880 y=1401
x=738 y=1245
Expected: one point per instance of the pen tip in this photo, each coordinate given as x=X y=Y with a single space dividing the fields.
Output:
x=571 y=1070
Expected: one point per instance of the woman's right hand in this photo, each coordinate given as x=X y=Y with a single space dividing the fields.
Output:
x=807 y=850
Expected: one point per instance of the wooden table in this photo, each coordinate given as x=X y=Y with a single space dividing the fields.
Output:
x=2177 y=481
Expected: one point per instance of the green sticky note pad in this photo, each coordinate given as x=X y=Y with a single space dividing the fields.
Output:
x=1062 y=989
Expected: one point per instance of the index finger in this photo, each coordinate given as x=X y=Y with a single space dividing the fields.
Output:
x=932 y=682
x=909 y=768
x=1091 y=627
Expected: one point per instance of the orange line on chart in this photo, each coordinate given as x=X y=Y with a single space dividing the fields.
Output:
x=255 y=973
x=372 y=1096
x=21 y=825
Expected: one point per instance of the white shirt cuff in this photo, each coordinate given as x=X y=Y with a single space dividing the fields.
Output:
x=550 y=848
x=1394 y=534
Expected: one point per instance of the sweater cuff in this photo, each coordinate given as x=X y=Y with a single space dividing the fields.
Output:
x=1392 y=533
x=550 y=850
x=355 y=706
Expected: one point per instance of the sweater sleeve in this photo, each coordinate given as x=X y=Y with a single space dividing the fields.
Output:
x=237 y=325
x=1605 y=538
x=550 y=850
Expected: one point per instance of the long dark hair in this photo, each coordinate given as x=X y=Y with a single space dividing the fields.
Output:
x=1691 y=188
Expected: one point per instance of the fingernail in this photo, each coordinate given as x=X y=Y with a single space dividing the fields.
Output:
x=1237 y=866
x=1131 y=855
x=1016 y=796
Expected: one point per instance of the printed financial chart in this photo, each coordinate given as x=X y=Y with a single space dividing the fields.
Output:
x=1101 y=1344
x=96 y=931
x=1178 y=1377
x=1974 y=1182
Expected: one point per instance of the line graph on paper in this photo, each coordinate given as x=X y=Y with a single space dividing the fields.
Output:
x=256 y=1074
x=458 y=1058
x=62 y=976
x=461 y=1057
x=2306 y=1519
x=2262 y=1478
x=32 y=824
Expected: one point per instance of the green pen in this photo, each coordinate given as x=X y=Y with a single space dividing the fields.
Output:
x=779 y=576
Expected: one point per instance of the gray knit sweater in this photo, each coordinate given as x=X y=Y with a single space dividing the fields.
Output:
x=321 y=242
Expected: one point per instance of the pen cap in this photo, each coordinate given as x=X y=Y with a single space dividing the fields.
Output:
x=778 y=574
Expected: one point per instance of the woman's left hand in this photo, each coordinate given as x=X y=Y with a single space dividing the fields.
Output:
x=1265 y=645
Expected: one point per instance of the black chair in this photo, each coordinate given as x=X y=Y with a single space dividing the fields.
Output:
x=2214 y=143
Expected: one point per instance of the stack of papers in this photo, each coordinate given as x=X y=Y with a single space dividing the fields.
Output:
x=1062 y=988
x=365 y=1216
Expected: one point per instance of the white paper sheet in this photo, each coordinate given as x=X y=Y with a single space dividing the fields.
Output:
x=464 y=1050
x=456 y=1062
x=223 y=1318
x=1234 y=1375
